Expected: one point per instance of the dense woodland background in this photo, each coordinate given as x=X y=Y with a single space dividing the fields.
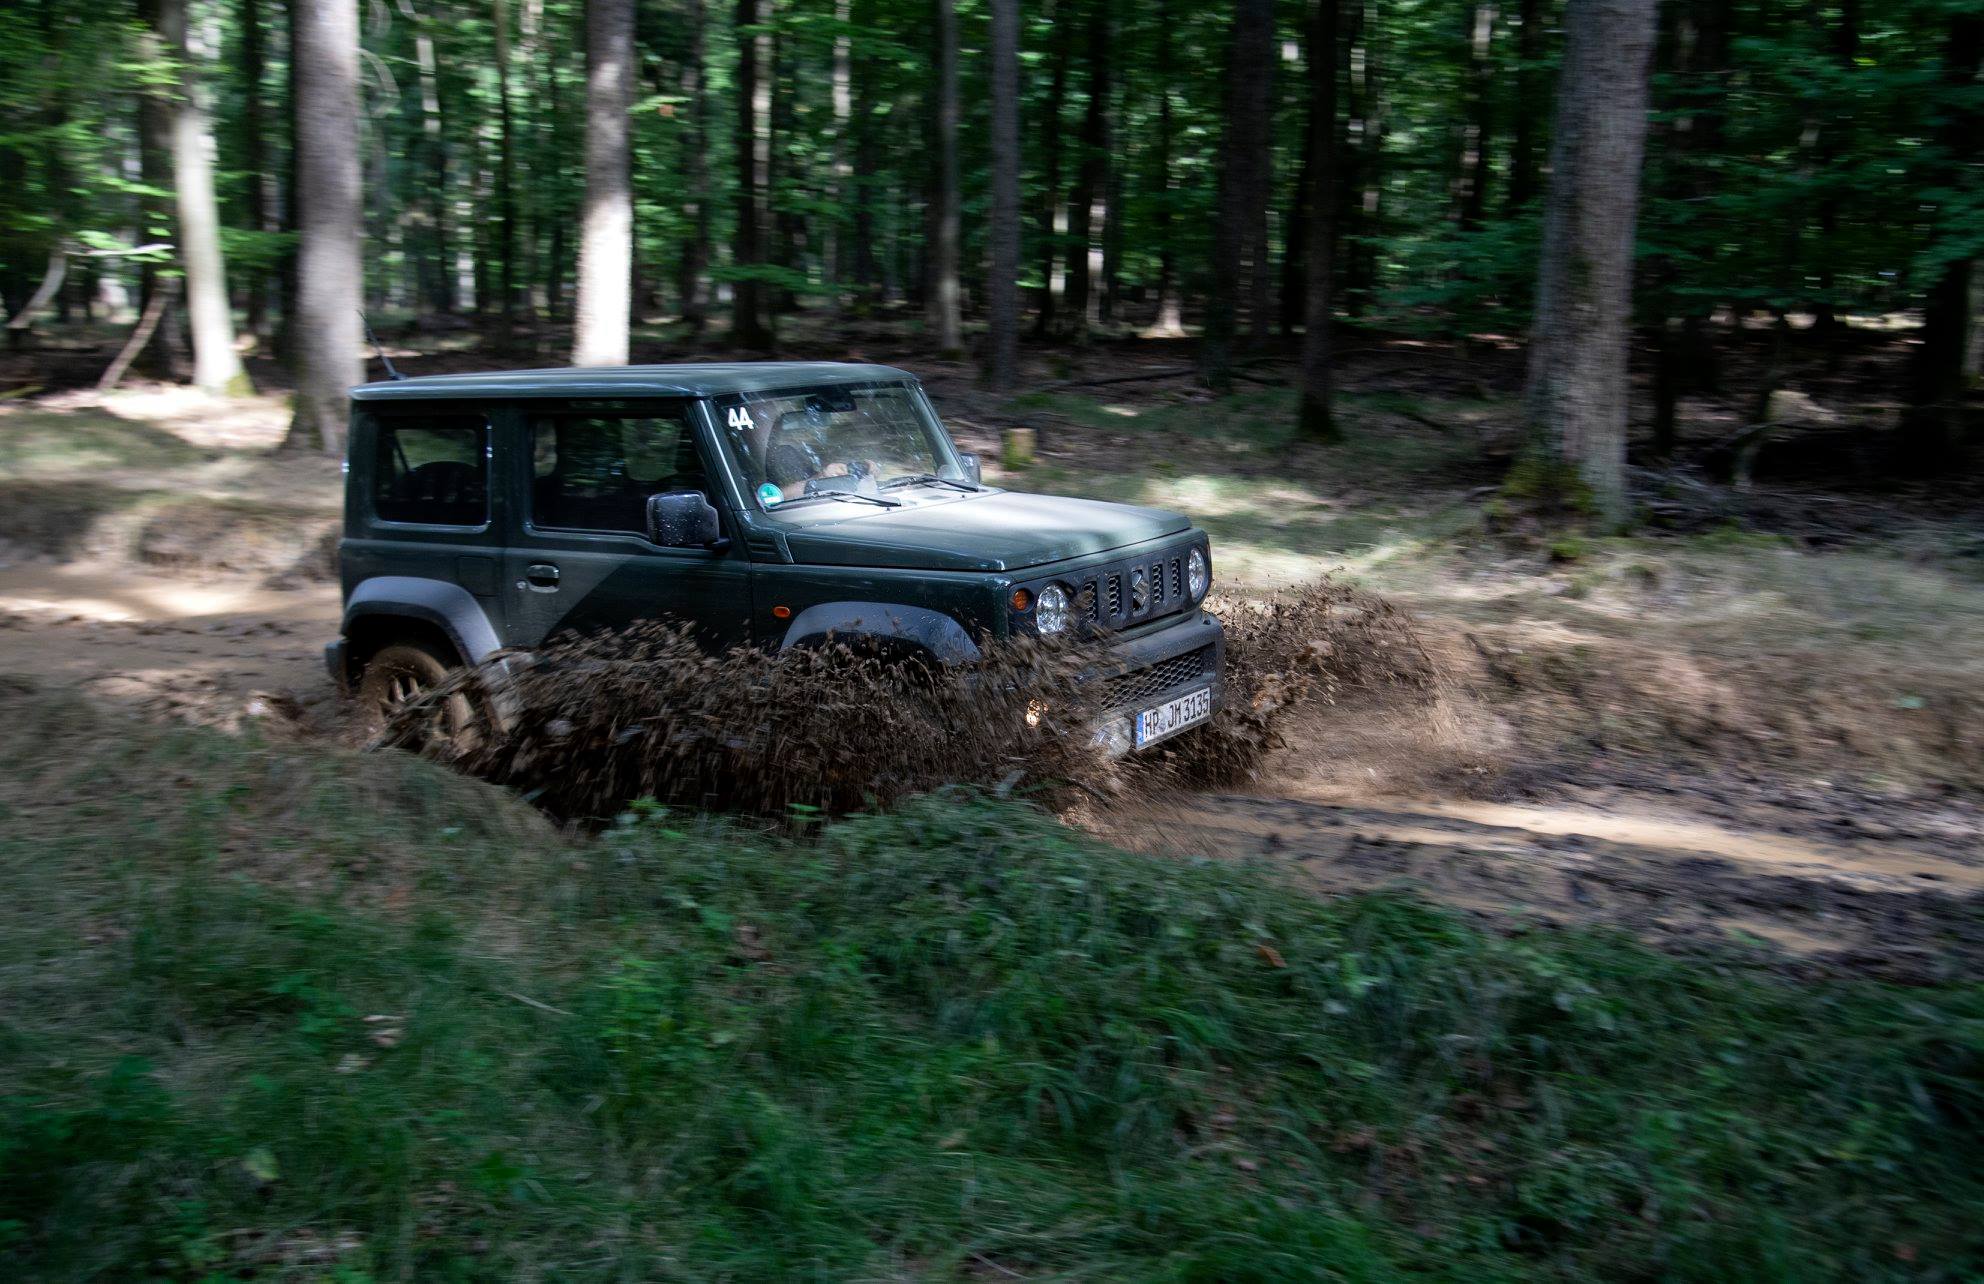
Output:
x=543 y=175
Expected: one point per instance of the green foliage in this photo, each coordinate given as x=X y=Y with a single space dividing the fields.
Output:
x=958 y=1035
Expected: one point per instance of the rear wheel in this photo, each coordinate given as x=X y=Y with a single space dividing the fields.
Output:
x=404 y=672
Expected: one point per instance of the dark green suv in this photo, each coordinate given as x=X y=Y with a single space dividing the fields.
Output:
x=772 y=504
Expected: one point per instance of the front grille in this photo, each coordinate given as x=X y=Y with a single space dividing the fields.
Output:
x=1141 y=685
x=1127 y=593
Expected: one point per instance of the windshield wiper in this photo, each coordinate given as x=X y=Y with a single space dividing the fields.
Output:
x=925 y=479
x=843 y=494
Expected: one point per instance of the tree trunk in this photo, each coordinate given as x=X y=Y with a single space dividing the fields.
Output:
x=329 y=269
x=506 y=177
x=695 y=258
x=440 y=289
x=747 y=327
x=1317 y=418
x=1242 y=183
x=1478 y=133
x=835 y=258
x=1577 y=396
x=262 y=207
x=1529 y=105
x=1002 y=282
x=606 y=245
x=1091 y=171
x=1360 y=178
x=946 y=321
x=216 y=367
x=285 y=343
x=1170 y=321
x=1049 y=216
x=1936 y=372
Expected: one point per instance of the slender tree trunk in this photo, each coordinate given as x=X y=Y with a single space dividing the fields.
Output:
x=329 y=270
x=262 y=208
x=440 y=292
x=1317 y=419
x=286 y=283
x=1936 y=374
x=1091 y=171
x=1479 y=131
x=1002 y=283
x=1170 y=320
x=1577 y=396
x=506 y=176
x=867 y=163
x=695 y=176
x=216 y=367
x=606 y=246
x=1846 y=48
x=747 y=327
x=1050 y=213
x=946 y=320
x=842 y=172
x=1242 y=184
x=781 y=222
x=155 y=169
x=1530 y=87
x=1295 y=246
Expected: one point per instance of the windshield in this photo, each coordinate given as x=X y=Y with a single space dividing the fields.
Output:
x=819 y=443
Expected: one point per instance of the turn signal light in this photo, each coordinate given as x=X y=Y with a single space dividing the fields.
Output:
x=1022 y=599
x=781 y=613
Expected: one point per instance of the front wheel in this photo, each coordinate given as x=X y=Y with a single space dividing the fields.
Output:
x=405 y=672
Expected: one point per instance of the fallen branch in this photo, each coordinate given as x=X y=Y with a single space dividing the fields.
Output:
x=162 y=295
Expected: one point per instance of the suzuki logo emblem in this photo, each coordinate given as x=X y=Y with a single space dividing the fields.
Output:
x=1139 y=589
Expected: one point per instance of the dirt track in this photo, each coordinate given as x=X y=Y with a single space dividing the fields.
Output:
x=1833 y=883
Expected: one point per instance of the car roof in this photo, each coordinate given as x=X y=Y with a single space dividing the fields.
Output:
x=713 y=379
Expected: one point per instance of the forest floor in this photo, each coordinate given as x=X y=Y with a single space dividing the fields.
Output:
x=1757 y=726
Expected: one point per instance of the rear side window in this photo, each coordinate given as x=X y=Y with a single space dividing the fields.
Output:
x=433 y=470
x=596 y=472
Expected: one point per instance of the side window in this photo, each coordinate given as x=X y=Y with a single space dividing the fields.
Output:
x=433 y=470
x=596 y=472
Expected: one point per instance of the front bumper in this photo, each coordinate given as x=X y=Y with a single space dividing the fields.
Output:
x=1145 y=671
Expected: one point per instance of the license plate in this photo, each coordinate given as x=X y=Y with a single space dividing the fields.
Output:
x=1173 y=716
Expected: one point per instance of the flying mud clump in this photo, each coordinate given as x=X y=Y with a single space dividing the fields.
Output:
x=591 y=724
x=588 y=725
x=1286 y=653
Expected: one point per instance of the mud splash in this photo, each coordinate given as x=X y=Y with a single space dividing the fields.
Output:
x=592 y=724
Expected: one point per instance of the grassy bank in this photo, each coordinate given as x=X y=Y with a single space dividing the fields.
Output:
x=269 y=1008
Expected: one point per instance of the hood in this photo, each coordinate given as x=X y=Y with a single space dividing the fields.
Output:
x=994 y=531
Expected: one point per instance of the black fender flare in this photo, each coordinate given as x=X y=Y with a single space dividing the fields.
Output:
x=934 y=632
x=449 y=607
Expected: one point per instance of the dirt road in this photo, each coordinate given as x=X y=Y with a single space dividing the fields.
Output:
x=1827 y=886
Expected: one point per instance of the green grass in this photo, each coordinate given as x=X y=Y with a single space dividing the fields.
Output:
x=75 y=443
x=269 y=1008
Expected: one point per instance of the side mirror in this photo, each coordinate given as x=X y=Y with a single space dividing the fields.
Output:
x=684 y=519
x=971 y=470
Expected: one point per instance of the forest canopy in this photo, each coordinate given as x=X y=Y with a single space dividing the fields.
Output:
x=1176 y=166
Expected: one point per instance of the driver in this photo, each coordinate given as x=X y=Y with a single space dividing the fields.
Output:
x=792 y=460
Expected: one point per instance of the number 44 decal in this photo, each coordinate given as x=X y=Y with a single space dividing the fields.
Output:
x=740 y=418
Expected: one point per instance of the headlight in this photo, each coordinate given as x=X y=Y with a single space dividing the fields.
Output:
x=1050 y=609
x=1197 y=577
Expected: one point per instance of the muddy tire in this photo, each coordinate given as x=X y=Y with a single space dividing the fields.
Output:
x=405 y=671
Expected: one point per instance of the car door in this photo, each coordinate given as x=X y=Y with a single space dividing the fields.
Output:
x=578 y=558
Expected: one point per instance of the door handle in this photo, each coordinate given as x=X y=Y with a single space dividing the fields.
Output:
x=541 y=577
